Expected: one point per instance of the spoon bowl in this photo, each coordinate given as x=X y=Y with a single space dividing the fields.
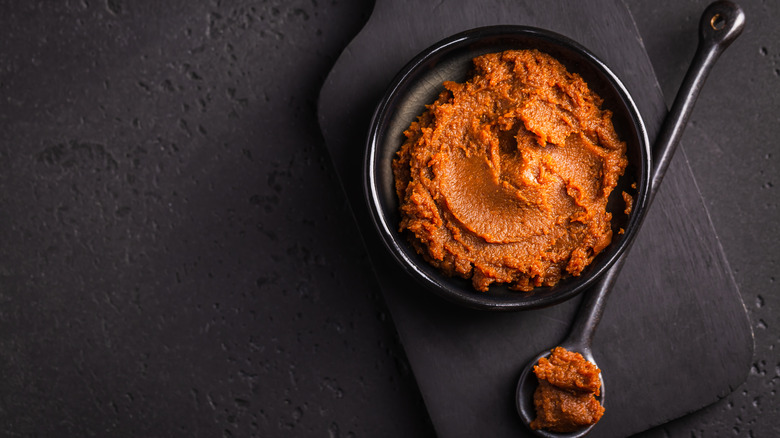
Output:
x=528 y=383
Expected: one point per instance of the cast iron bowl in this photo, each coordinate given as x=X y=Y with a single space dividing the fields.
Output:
x=418 y=84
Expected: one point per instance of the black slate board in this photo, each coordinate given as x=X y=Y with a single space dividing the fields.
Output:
x=675 y=336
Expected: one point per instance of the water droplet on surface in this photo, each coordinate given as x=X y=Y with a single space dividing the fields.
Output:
x=333 y=430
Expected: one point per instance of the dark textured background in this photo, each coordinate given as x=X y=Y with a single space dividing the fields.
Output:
x=176 y=255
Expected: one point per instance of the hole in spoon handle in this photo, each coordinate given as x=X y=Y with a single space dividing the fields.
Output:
x=721 y=23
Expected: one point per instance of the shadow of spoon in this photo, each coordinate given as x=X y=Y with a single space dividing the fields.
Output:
x=720 y=24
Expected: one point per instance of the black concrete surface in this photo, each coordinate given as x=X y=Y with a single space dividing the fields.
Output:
x=176 y=255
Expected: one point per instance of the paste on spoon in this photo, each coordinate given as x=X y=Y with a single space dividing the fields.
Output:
x=565 y=400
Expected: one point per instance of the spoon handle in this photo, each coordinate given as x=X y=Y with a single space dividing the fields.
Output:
x=591 y=308
x=721 y=23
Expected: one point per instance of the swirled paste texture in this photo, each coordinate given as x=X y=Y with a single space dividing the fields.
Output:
x=505 y=178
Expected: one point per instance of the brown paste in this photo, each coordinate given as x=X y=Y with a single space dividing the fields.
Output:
x=565 y=400
x=505 y=178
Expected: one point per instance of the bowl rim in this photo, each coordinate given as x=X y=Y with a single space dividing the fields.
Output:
x=394 y=241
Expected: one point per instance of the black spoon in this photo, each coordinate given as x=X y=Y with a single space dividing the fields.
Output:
x=720 y=24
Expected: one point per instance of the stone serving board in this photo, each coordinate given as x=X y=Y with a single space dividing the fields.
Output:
x=675 y=336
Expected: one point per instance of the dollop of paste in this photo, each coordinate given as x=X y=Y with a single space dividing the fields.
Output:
x=565 y=400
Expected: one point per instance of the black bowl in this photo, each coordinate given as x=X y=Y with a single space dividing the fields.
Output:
x=418 y=84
